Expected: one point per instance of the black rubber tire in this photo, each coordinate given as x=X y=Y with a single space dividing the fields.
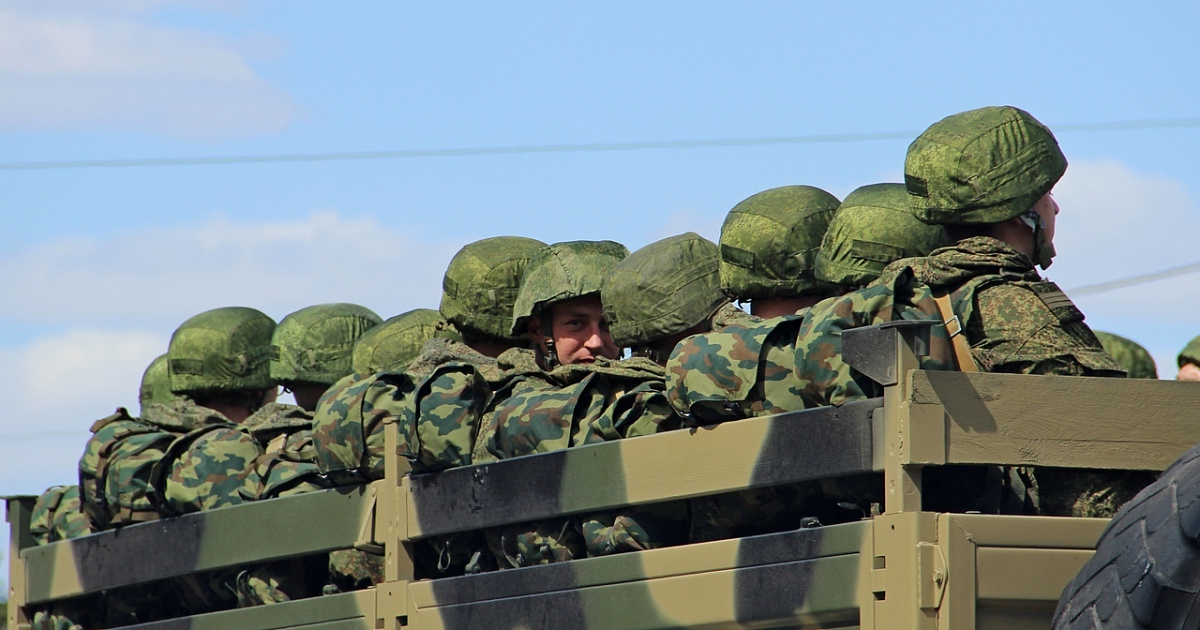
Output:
x=1146 y=571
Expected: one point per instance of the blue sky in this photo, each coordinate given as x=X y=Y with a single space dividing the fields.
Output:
x=98 y=265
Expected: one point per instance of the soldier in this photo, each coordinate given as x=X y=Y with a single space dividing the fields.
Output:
x=1132 y=357
x=1189 y=361
x=769 y=245
x=394 y=344
x=312 y=348
x=986 y=175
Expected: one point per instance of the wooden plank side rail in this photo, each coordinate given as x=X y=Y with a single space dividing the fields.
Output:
x=1065 y=421
x=750 y=453
x=299 y=525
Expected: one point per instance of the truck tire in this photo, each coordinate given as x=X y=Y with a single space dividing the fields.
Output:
x=1146 y=571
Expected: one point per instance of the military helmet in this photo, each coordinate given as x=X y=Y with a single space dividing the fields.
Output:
x=662 y=289
x=314 y=344
x=769 y=243
x=156 y=384
x=481 y=284
x=222 y=350
x=873 y=228
x=1132 y=357
x=563 y=271
x=983 y=166
x=394 y=344
x=1190 y=353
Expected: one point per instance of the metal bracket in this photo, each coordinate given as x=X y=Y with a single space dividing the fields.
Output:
x=872 y=349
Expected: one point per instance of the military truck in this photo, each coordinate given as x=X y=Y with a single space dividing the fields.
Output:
x=905 y=568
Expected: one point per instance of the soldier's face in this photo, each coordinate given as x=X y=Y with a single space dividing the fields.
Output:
x=579 y=331
x=1047 y=209
x=1189 y=372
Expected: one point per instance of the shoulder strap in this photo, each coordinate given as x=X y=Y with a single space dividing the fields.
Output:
x=962 y=351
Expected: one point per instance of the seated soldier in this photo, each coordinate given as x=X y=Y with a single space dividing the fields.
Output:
x=769 y=244
x=1131 y=356
x=270 y=452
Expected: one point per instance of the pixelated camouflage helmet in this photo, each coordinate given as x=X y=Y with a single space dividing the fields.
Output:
x=314 y=345
x=222 y=350
x=563 y=271
x=156 y=384
x=1132 y=357
x=394 y=344
x=1190 y=353
x=769 y=243
x=871 y=229
x=662 y=289
x=983 y=166
x=481 y=284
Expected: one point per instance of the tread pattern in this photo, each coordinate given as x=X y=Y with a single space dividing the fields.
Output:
x=1146 y=570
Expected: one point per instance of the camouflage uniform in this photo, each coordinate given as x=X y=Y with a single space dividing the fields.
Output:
x=437 y=401
x=983 y=167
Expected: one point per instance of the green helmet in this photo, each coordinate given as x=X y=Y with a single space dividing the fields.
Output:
x=662 y=289
x=481 y=284
x=394 y=344
x=156 y=384
x=563 y=271
x=314 y=344
x=987 y=165
x=222 y=350
x=873 y=228
x=1133 y=358
x=1190 y=353
x=769 y=243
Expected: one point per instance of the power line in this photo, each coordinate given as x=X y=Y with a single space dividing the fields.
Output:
x=594 y=147
x=1112 y=285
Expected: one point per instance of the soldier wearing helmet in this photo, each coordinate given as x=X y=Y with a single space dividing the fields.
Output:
x=558 y=304
x=1130 y=355
x=1189 y=361
x=769 y=245
x=312 y=348
x=393 y=344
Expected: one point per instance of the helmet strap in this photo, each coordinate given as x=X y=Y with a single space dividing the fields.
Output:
x=551 y=358
x=1043 y=251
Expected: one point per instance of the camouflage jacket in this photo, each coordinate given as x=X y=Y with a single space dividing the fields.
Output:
x=116 y=467
x=269 y=454
x=437 y=403
x=58 y=515
x=1015 y=321
x=578 y=404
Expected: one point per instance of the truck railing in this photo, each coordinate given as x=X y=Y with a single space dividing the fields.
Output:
x=913 y=569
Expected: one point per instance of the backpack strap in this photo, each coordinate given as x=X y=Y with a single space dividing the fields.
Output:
x=962 y=351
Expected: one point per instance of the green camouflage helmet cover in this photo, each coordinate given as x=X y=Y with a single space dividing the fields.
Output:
x=662 y=289
x=314 y=345
x=873 y=227
x=563 y=271
x=156 y=384
x=1132 y=357
x=222 y=350
x=481 y=284
x=1190 y=353
x=769 y=243
x=394 y=344
x=983 y=166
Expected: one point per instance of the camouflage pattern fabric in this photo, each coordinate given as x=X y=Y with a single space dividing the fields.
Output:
x=352 y=570
x=314 y=344
x=58 y=515
x=227 y=464
x=225 y=349
x=117 y=464
x=156 y=384
x=769 y=243
x=1131 y=356
x=481 y=282
x=560 y=272
x=1015 y=322
x=396 y=342
x=570 y=406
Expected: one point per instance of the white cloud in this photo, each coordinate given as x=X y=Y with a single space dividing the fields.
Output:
x=80 y=67
x=688 y=220
x=161 y=277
